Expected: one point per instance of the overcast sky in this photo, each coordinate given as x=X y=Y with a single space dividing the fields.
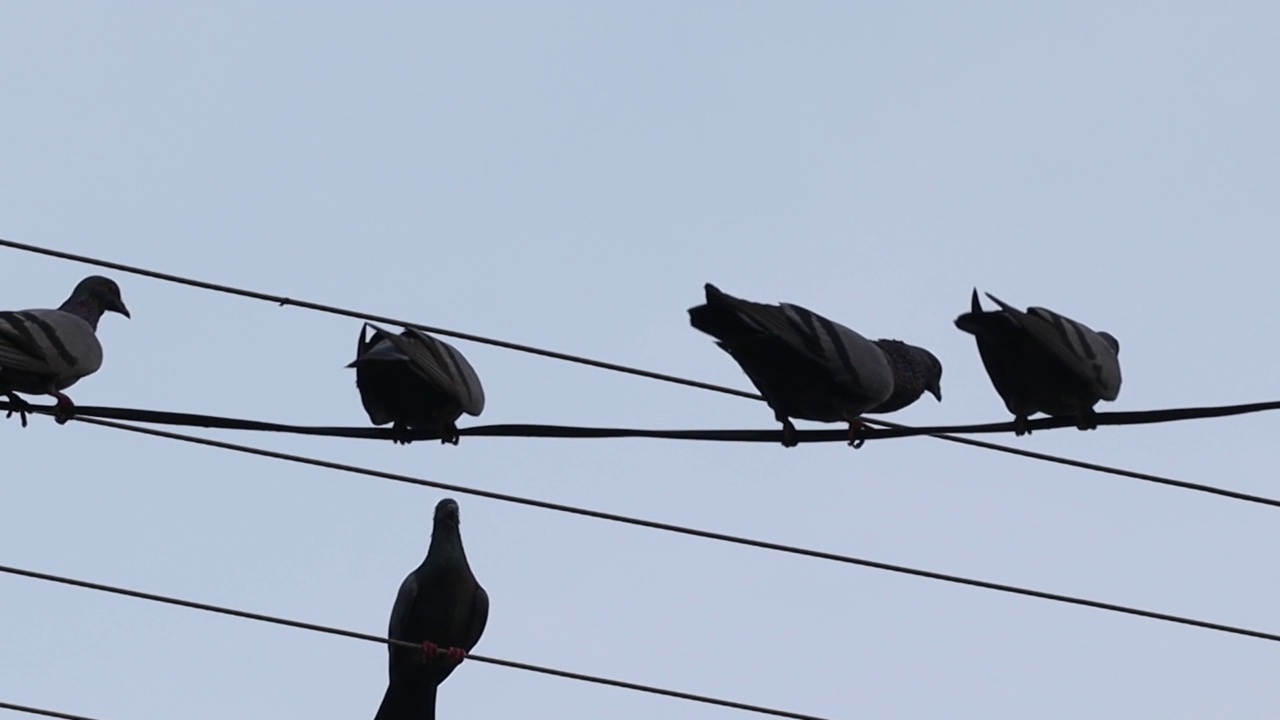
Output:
x=569 y=175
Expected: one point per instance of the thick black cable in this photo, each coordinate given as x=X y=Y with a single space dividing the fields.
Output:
x=41 y=711
x=561 y=431
x=260 y=617
x=682 y=530
x=535 y=430
x=281 y=300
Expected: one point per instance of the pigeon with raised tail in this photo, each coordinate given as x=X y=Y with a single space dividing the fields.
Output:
x=43 y=352
x=811 y=368
x=414 y=380
x=1040 y=361
x=441 y=607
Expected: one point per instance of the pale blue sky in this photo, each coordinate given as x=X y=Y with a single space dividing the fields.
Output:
x=569 y=175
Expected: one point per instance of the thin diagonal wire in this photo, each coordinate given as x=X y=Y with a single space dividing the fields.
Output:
x=682 y=530
x=259 y=617
x=41 y=711
x=319 y=307
x=281 y=300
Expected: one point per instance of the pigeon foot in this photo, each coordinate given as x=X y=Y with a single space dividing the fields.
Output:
x=448 y=433
x=789 y=439
x=1086 y=419
x=856 y=428
x=400 y=434
x=20 y=406
x=455 y=655
x=1020 y=426
x=63 y=409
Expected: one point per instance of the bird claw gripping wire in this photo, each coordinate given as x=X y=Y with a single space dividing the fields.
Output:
x=17 y=405
x=856 y=428
x=431 y=651
x=64 y=409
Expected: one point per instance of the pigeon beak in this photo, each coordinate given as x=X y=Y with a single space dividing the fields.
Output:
x=936 y=391
x=118 y=306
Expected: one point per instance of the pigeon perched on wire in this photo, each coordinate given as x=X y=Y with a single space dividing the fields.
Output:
x=415 y=381
x=43 y=352
x=441 y=606
x=811 y=368
x=1040 y=361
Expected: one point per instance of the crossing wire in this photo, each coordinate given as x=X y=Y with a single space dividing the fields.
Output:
x=662 y=377
x=314 y=627
x=694 y=532
x=41 y=711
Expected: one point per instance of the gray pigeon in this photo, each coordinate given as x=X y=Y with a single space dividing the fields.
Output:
x=415 y=381
x=1040 y=361
x=43 y=352
x=440 y=605
x=809 y=367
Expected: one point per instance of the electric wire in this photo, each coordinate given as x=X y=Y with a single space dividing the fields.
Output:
x=315 y=627
x=662 y=377
x=683 y=530
x=562 y=431
x=41 y=711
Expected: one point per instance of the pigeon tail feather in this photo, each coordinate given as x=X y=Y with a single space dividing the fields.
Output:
x=408 y=701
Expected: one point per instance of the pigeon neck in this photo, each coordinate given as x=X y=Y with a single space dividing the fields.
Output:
x=447 y=541
x=908 y=378
x=86 y=308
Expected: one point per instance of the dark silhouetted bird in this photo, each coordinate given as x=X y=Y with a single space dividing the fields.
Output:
x=43 y=352
x=1040 y=361
x=415 y=381
x=441 y=607
x=811 y=368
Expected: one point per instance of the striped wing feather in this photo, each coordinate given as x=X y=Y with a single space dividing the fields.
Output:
x=48 y=342
x=442 y=365
x=853 y=361
x=1077 y=346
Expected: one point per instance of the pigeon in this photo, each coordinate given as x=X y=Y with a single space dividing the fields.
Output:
x=441 y=606
x=415 y=381
x=809 y=367
x=1040 y=361
x=43 y=352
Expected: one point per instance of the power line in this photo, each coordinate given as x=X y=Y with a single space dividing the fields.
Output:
x=563 y=431
x=333 y=310
x=694 y=532
x=282 y=300
x=40 y=711
x=534 y=430
x=259 y=617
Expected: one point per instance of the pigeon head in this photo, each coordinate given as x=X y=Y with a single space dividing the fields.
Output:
x=447 y=512
x=93 y=296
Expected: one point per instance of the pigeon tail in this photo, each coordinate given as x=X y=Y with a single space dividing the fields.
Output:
x=408 y=701
x=720 y=318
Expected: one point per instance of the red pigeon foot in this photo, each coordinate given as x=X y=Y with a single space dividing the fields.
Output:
x=430 y=650
x=856 y=428
x=455 y=655
x=64 y=409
